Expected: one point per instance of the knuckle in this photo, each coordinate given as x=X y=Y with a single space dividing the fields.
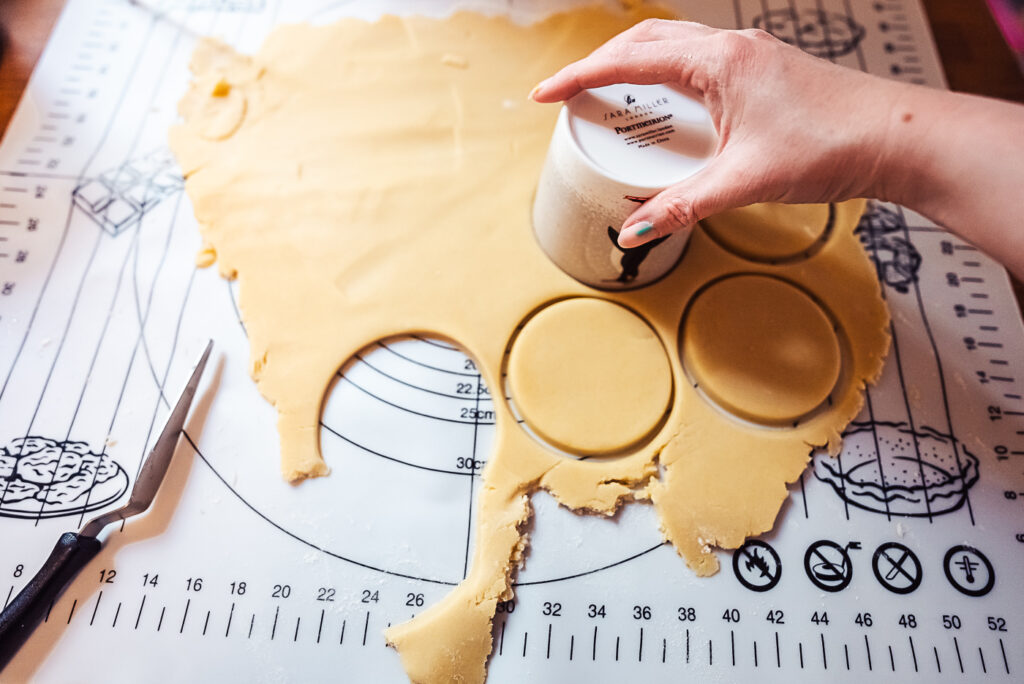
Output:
x=734 y=44
x=649 y=26
x=679 y=210
x=757 y=34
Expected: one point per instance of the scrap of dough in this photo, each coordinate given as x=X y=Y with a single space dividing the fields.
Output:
x=761 y=348
x=370 y=190
x=589 y=376
x=206 y=256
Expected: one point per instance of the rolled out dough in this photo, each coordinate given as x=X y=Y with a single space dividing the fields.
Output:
x=359 y=186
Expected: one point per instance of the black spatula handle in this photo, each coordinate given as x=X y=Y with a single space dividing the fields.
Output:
x=24 y=613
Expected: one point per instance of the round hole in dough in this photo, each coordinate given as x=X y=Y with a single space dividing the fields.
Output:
x=772 y=232
x=761 y=349
x=589 y=376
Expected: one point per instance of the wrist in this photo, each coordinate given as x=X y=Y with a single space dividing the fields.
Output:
x=905 y=160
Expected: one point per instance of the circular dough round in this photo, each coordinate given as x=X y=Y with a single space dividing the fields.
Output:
x=771 y=231
x=761 y=349
x=589 y=376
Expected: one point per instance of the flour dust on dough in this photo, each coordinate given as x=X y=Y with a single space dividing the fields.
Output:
x=356 y=177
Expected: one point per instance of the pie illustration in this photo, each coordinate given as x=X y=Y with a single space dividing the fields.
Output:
x=918 y=472
x=822 y=34
x=41 y=477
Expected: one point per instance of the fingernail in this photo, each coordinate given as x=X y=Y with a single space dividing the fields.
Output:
x=536 y=89
x=633 y=235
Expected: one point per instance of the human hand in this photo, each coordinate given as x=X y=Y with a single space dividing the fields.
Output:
x=792 y=128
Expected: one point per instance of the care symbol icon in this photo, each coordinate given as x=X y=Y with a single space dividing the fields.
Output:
x=757 y=566
x=828 y=564
x=969 y=570
x=896 y=568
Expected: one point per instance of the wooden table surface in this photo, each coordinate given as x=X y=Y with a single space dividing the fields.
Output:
x=974 y=55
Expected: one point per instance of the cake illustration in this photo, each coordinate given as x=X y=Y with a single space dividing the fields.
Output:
x=918 y=472
x=41 y=477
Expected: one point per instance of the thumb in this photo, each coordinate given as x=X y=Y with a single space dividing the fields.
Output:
x=713 y=189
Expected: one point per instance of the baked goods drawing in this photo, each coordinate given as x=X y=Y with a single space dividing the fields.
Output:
x=822 y=34
x=42 y=477
x=119 y=197
x=882 y=231
x=918 y=473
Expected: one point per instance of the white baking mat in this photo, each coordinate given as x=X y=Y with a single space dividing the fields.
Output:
x=235 y=575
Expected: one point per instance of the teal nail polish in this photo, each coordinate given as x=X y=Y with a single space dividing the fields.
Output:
x=648 y=227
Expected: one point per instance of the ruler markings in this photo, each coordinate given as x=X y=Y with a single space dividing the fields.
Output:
x=231 y=614
x=117 y=614
x=273 y=629
x=892 y=661
x=366 y=627
x=913 y=653
x=617 y=638
x=800 y=651
x=96 y=607
x=206 y=623
x=981 y=655
x=184 y=616
x=320 y=629
x=525 y=637
x=296 y=636
x=640 y=654
x=1006 y=663
x=956 y=645
x=71 y=613
x=138 y=617
x=160 y=622
x=342 y=639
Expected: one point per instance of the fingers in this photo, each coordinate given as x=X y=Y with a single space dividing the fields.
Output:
x=710 y=191
x=650 y=52
x=639 y=63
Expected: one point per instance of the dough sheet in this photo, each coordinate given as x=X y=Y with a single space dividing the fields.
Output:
x=363 y=180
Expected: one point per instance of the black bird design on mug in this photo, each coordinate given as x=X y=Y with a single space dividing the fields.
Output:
x=631 y=257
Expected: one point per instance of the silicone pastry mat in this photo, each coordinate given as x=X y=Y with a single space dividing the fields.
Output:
x=102 y=308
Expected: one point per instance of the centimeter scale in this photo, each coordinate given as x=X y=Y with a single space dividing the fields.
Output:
x=234 y=574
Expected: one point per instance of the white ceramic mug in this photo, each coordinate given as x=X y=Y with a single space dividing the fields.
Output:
x=612 y=149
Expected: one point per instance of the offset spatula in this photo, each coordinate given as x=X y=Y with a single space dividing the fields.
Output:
x=74 y=550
